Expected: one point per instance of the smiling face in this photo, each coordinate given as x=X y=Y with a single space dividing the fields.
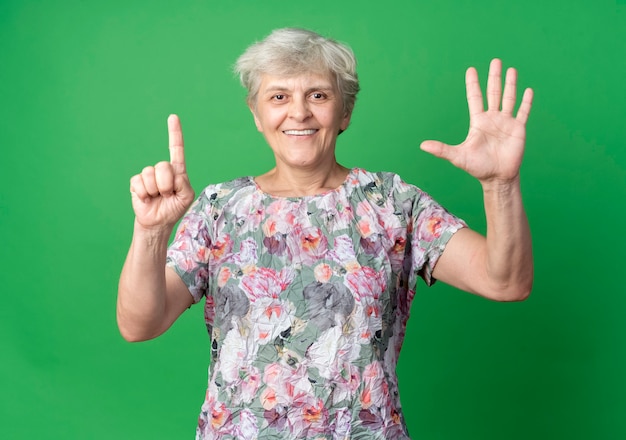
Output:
x=300 y=117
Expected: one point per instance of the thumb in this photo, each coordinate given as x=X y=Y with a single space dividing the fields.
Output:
x=182 y=186
x=439 y=149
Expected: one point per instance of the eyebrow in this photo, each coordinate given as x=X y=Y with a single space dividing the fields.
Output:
x=280 y=88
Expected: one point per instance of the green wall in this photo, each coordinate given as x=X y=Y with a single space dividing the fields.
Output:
x=85 y=89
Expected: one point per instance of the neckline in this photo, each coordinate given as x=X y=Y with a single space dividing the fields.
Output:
x=348 y=178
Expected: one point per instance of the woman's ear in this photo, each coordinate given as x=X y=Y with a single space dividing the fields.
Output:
x=345 y=121
x=257 y=122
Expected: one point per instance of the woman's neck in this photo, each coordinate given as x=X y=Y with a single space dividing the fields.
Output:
x=297 y=182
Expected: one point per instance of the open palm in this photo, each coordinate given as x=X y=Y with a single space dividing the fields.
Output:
x=494 y=146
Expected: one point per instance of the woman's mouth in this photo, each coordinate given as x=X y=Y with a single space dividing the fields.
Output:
x=306 y=132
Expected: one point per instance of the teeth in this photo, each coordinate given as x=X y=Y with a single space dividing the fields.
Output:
x=299 y=132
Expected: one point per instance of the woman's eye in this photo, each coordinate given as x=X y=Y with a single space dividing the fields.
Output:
x=318 y=96
x=279 y=97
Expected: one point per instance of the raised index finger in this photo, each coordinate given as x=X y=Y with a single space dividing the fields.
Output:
x=177 y=150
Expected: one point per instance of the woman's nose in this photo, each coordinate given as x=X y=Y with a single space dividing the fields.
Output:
x=299 y=109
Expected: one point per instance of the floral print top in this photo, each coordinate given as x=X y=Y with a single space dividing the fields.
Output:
x=306 y=302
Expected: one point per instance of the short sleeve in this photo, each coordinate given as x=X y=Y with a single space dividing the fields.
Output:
x=433 y=227
x=188 y=254
x=430 y=227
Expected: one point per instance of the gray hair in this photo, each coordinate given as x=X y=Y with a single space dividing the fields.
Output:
x=293 y=51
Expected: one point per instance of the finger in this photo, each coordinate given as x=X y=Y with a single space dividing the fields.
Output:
x=177 y=150
x=510 y=92
x=472 y=90
x=164 y=177
x=494 y=85
x=524 y=109
x=137 y=188
x=149 y=181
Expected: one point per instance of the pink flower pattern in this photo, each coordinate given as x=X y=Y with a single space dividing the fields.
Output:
x=307 y=300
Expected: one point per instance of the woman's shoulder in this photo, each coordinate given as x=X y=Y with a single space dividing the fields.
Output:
x=386 y=182
x=228 y=190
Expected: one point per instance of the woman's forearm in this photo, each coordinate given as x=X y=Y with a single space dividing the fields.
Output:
x=141 y=300
x=509 y=259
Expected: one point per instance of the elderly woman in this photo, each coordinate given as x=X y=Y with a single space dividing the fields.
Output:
x=309 y=270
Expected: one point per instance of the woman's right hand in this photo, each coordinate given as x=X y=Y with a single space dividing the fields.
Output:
x=162 y=194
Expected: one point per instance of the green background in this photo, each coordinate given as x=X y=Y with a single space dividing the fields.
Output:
x=85 y=90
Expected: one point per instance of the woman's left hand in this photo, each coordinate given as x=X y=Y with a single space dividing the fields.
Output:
x=494 y=147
